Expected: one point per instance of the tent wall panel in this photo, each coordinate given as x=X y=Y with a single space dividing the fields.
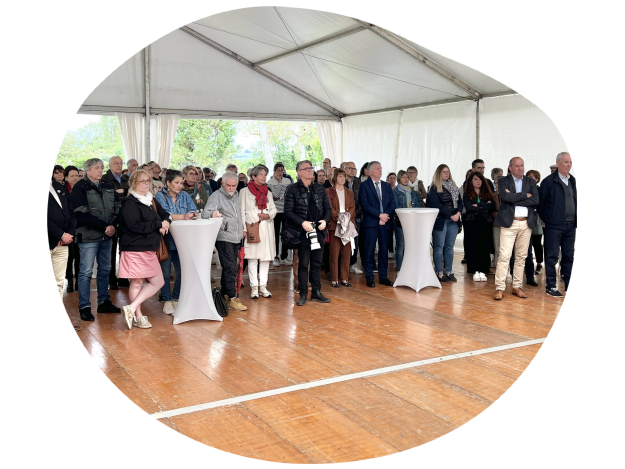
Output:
x=123 y=87
x=371 y=137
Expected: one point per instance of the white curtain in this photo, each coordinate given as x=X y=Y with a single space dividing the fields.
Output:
x=133 y=135
x=513 y=126
x=162 y=135
x=372 y=137
x=438 y=134
x=331 y=140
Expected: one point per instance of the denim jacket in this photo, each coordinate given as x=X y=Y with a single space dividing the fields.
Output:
x=184 y=204
x=400 y=198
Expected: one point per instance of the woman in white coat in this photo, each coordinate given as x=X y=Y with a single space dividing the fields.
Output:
x=258 y=207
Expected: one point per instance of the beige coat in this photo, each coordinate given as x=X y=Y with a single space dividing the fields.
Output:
x=266 y=249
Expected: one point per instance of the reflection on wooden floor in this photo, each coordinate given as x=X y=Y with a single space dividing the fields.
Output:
x=275 y=344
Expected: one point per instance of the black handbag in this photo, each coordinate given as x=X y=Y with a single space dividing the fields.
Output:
x=220 y=302
x=289 y=239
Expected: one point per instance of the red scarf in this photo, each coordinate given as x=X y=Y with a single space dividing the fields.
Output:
x=260 y=192
x=68 y=187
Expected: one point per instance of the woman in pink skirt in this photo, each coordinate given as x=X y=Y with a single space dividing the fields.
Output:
x=143 y=222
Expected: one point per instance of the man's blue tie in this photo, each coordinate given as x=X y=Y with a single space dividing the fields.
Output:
x=377 y=191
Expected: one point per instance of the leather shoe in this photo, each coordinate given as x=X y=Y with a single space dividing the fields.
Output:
x=113 y=286
x=85 y=314
x=336 y=285
x=499 y=295
x=108 y=307
x=302 y=299
x=346 y=284
x=519 y=292
x=70 y=288
x=317 y=296
x=531 y=281
x=387 y=282
x=370 y=283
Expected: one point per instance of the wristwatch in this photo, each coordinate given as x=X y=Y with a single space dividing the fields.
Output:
x=170 y=219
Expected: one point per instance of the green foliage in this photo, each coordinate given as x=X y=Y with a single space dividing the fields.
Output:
x=204 y=142
x=101 y=139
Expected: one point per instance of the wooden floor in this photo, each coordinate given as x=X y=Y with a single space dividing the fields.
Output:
x=274 y=344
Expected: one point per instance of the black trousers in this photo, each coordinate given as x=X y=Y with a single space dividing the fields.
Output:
x=556 y=239
x=278 y=225
x=312 y=257
x=73 y=263
x=538 y=248
x=229 y=258
x=478 y=235
x=354 y=257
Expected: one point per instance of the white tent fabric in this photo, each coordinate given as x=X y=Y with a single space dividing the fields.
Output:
x=133 y=135
x=438 y=134
x=162 y=135
x=513 y=126
x=331 y=140
x=371 y=137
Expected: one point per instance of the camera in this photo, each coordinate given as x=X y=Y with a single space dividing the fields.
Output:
x=314 y=239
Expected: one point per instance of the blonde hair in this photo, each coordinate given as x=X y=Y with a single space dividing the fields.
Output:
x=437 y=180
x=188 y=168
x=134 y=178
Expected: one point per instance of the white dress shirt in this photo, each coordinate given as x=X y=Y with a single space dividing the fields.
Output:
x=565 y=180
x=519 y=211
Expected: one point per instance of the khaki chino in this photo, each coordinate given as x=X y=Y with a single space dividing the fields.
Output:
x=518 y=236
x=59 y=257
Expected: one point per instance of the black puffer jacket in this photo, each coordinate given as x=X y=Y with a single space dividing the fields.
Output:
x=140 y=225
x=296 y=206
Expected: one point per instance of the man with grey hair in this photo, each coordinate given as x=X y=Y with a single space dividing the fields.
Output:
x=132 y=166
x=558 y=210
x=224 y=203
x=120 y=182
x=96 y=206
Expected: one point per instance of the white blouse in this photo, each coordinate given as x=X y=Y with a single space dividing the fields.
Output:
x=341 y=195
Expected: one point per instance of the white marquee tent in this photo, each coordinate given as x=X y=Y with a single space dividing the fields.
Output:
x=373 y=94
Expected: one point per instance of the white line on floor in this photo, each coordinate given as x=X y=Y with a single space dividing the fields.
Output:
x=338 y=379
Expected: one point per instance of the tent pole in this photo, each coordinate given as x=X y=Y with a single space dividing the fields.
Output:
x=146 y=82
x=477 y=129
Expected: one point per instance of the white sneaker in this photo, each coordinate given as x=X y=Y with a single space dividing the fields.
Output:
x=169 y=307
x=355 y=270
x=263 y=291
x=476 y=277
x=127 y=316
x=482 y=276
x=142 y=322
x=391 y=255
x=254 y=294
x=276 y=261
x=286 y=262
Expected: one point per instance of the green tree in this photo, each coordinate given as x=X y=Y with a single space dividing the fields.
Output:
x=204 y=142
x=101 y=139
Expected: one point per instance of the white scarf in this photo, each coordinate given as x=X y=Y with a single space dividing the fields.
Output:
x=55 y=195
x=144 y=199
x=414 y=185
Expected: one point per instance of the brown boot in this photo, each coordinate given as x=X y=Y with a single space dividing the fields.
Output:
x=499 y=295
x=519 y=292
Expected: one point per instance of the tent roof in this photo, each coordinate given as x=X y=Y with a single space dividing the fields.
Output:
x=288 y=64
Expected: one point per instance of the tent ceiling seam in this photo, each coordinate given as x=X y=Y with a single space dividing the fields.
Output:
x=200 y=37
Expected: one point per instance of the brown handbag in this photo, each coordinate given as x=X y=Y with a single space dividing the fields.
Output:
x=162 y=253
x=253 y=232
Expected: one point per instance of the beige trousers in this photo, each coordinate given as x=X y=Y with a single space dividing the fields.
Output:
x=496 y=236
x=59 y=257
x=518 y=237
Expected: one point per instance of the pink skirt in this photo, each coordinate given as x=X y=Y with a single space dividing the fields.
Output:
x=138 y=264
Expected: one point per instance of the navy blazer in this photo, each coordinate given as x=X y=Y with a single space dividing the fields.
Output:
x=552 y=206
x=435 y=200
x=60 y=218
x=505 y=215
x=370 y=204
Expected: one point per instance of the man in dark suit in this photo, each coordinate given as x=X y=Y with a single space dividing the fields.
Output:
x=378 y=204
x=61 y=223
x=558 y=210
x=516 y=217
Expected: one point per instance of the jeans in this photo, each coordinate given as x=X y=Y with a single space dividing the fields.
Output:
x=400 y=245
x=443 y=242
x=166 y=268
x=88 y=254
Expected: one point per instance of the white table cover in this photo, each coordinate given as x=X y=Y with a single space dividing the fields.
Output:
x=195 y=240
x=416 y=268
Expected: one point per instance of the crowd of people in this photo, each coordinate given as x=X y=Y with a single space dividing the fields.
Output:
x=325 y=218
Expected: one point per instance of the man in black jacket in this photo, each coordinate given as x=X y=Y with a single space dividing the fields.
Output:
x=121 y=184
x=60 y=231
x=516 y=217
x=558 y=210
x=96 y=206
x=307 y=211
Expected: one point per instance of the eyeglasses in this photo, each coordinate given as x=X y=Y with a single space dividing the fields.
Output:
x=144 y=181
x=351 y=169
x=192 y=174
x=309 y=168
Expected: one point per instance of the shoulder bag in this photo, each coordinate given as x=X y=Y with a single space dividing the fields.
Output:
x=220 y=302
x=162 y=253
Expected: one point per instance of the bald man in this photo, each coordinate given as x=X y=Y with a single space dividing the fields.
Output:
x=121 y=184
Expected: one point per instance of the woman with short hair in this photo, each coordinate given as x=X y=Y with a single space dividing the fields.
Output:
x=70 y=175
x=143 y=222
x=405 y=197
x=180 y=207
x=258 y=207
x=196 y=191
x=341 y=200
x=445 y=196
x=479 y=204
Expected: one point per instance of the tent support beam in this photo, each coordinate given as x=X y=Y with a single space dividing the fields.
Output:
x=412 y=106
x=146 y=55
x=262 y=71
x=318 y=42
x=421 y=58
x=477 y=129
